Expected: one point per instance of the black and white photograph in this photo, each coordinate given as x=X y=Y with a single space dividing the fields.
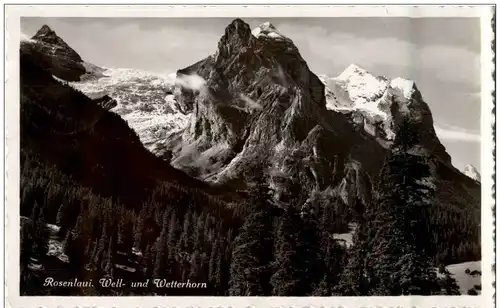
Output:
x=288 y=156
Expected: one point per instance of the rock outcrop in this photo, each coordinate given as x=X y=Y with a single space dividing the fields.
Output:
x=256 y=104
x=106 y=102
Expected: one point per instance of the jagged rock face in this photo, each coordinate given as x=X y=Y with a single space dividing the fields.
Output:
x=59 y=46
x=260 y=104
x=379 y=106
x=54 y=55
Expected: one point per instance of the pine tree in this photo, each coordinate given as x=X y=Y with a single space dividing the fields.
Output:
x=290 y=269
x=149 y=260
x=26 y=244
x=109 y=262
x=101 y=247
x=252 y=255
x=196 y=265
x=355 y=278
x=139 y=227
x=186 y=240
x=40 y=233
x=448 y=284
x=162 y=248
x=215 y=266
x=173 y=234
x=75 y=249
x=399 y=257
x=125 y=231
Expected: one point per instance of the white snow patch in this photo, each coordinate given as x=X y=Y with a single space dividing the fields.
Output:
x=346 y=238
x=364 y=89
x=427 y=182
x=407 y=87
x=35 y=267
x=125 y=268
x=59 y=79
x=136 y=251
x=472 y=172
x=56 y=249
x=267 y=29
x=351 y=71
x=466 y=281
x=274 y=35
x=53 y=228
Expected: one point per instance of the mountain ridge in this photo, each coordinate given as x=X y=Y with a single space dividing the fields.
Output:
x=255 y=101
x=246 y=53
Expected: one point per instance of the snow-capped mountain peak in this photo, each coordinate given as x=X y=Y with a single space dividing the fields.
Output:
x=363 y=89
x=267 y=29
x=407 y=87
x=376 y=103
x=43 y=32
x=472 y=172
x=353 y=71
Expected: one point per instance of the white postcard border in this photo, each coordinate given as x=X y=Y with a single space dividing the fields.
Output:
x=12 y=150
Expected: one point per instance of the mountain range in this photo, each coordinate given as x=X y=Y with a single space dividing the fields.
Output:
x=255 y=99
x=252 y=106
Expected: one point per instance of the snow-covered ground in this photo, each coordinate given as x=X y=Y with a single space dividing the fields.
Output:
x=458 y=271
x=346 y=238
x=55 y=245
x=56 y=249
x=145 y=100
x=466 y=281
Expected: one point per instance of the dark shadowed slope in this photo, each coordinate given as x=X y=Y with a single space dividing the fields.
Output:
x=88 y=142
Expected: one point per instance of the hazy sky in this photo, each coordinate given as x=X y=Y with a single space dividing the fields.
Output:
x=441 y=54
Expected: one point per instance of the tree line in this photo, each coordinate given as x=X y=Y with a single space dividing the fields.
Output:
x=265 y=249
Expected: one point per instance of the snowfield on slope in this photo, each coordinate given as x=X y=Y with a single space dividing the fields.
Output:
x=145 y=100
x=357 y=89
x=458 y=271
x=466 y=281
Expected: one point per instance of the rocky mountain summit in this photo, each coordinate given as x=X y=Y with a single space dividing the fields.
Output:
x=379 y=105
x=48 y=36
x=257 y=102
x=260 y=104
x=55 y=55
